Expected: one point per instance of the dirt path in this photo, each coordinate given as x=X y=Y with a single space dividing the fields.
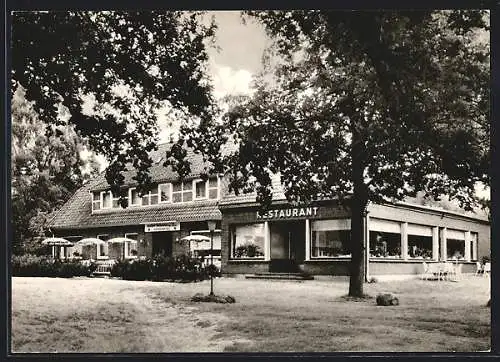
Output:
x=176 y=328
x=106 y=315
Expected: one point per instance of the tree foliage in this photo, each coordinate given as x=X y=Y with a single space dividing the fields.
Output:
x=363 y=107
x=45 y=171
x=113 y=71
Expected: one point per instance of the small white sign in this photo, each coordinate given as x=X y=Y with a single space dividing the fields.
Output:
x=163 y=226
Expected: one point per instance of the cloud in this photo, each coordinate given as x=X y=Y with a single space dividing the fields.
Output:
x=229 y=81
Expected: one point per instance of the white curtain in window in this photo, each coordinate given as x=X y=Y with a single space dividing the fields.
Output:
x=385 y=226
x=421 y=230
x=335 y=224
x=455 y=234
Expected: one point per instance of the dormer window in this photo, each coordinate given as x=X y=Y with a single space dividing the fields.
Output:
x=213 y=188
x=164 y=192
x=200 y=189
x=133 y=196
x=107 y=199
x=151 y=198
x=96 y=200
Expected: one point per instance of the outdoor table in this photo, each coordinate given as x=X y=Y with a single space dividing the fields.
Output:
x=442 y=270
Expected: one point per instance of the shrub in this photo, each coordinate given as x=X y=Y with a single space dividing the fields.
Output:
x=137 y=270
x=181 y=268
x=119 y=268
x=162 y=267
x=26 y=265
x=486 y=259
x=41 y=266
x=212 y=270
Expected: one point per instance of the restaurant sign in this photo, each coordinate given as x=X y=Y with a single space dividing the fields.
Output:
x=288 y=213
x=162 y=226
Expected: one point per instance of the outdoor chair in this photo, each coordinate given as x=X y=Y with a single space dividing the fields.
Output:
x=104 y=267
x=427 y=271
x=456 y=274
x=479 y=268
x=486 y=269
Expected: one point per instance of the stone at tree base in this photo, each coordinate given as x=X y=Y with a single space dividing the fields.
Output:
x=199 y=297
x=386 y=299
x=489 y=303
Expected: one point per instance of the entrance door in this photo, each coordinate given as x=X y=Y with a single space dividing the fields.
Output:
x=287 y=245
x=297 y=241
x=162 y=243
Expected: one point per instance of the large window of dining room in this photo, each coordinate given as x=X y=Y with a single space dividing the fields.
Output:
x=455 y=244
x=385 y=238
x=419 y=241
x=247 y=241
x=331 y=238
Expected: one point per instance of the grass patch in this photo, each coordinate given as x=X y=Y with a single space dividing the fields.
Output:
x=106 y=315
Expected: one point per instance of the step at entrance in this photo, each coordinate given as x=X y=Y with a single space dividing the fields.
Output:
x=280 y=276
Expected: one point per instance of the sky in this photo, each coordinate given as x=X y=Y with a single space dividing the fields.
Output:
x=236 y=59
x=239 y=57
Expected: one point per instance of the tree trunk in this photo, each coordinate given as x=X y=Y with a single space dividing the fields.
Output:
x=358 y=206
x=357 y=267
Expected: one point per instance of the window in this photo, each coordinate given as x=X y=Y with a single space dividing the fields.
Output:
x=247 y=241
x=385 y=239
x=131 y=248
x=106 y=198
x=96 y=200
x=331 y=238
x=187 y=191
x=182 y=191
x=177 y=192
x=133 y=196
x=200 y=187
x=116 y=202
x=102 y=249
x=213 y=188
x=419 y=241
x=195 y=190
x=150 y=198
x=164 y=191
x=455 y=244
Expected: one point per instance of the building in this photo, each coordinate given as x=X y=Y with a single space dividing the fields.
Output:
x=156 y=222
x=315 y=238
x=312 y=238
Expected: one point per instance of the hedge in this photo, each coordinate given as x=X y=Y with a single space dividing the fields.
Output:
x=29 y=265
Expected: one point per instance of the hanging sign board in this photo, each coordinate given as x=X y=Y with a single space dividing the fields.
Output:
x=162 y=226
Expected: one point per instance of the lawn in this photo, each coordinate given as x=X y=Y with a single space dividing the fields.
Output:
x=108 y=315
